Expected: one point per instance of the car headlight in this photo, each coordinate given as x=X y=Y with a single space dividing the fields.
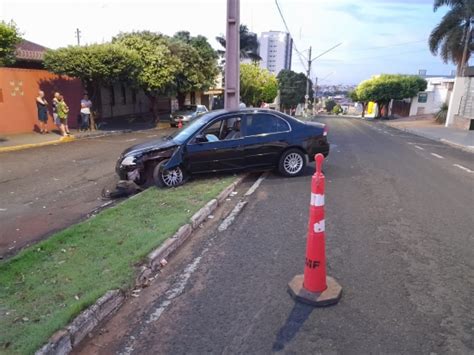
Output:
x=128 y=161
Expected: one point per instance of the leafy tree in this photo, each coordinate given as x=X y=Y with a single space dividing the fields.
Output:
x=330 y=105
x=386 y=87
x=95 y=65
x=337 y=109
x=292 y=88
x=199 y=63
x=159 y=68
x=452 y=37
x=257 y=85
x=248 y=44
x=9 y=38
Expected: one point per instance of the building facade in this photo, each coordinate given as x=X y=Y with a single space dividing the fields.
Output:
x=461 y=104
x=275 y=50
x=437 y=93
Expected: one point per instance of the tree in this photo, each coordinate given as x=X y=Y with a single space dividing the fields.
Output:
x=330 y=105
x=248 y=44
x=257 y=85
x=337 y=109
x=452 y=37
x=96 y=66
x=386 y=87
x=9 y=38
x=199 y=63
x=159 y=68
x=292 y=88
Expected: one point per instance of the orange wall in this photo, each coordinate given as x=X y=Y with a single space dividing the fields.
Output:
x=18 y=91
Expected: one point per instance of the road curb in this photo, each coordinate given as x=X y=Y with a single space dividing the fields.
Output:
x=436 y=139
x=67 y=139
x=66 y=339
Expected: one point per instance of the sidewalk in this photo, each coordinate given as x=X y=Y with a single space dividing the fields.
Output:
x=21 y=141
x=428 y=128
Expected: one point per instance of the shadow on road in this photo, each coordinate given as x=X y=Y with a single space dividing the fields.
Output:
x=293 y=324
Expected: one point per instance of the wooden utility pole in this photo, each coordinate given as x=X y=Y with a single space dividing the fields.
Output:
x=232 y=56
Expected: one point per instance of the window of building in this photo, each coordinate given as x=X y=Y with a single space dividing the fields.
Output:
x=193 y=98
x=134 y=96
x=422 y=97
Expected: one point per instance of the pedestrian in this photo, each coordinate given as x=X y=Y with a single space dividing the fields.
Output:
x=57 y=122
x=86 y=105
x=62 y=110
x=42 y=106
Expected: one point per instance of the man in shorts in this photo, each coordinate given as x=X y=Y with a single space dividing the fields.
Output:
x=57 y=121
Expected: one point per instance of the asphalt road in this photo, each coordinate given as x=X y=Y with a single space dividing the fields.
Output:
x=399 y=231
x=48 y=188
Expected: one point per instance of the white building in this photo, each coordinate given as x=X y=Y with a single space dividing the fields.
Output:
x=275 y=51
x=437 y=93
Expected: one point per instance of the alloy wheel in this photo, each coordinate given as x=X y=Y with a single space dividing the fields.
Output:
x=293 y=163
x=172 y=177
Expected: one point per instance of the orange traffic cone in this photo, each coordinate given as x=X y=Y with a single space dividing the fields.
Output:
x=314 y=286
x=180 y=124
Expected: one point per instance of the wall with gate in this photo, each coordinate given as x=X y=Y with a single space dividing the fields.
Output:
x=18 y=91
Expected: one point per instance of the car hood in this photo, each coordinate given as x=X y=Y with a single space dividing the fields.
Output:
x=183 y=113
x=157 y=144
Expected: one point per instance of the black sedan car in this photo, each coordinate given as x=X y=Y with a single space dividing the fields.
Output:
x=226 y=140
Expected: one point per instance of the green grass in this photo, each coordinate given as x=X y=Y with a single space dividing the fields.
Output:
x=45 y=286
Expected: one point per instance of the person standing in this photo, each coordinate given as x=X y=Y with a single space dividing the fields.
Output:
x=86 y=105
x=57 y=122
x=62 y=110
x=42 y=106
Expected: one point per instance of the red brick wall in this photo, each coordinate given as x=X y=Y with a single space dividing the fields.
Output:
x=18 y=91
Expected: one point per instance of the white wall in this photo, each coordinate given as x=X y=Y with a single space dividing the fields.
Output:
x=438 y=91
x=459 y=91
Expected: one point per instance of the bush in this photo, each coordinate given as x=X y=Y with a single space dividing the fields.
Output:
x=442 y=113
x=337 y=109
x=330 y=104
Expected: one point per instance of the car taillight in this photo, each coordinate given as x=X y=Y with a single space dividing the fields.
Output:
x=325 y=132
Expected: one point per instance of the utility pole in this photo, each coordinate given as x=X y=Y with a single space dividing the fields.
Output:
x=232 y=56
x=78 y=36
x=310 y=61
x=308 y=80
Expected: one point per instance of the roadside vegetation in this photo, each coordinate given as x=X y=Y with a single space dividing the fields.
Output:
x=46 y=285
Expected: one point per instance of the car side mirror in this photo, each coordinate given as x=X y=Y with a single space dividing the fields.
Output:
x=200 y=138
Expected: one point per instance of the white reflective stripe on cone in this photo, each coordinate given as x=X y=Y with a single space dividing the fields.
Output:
x=317 y=200
x=319 y=227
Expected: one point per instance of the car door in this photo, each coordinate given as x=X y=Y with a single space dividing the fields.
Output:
x=265 y=139
x=220 y=152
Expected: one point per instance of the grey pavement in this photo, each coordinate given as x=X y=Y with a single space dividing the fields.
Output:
x=48 y=188
x=451 y=135
x=399 y=240
x=34 y=138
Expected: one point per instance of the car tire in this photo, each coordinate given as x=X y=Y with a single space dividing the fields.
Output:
x=168 y=178
x=292 y=163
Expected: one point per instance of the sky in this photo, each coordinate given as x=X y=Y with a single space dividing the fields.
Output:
x=377 y=36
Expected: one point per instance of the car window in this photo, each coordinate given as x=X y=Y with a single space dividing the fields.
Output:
x=182 y=135
x=261 y=123
x=224 y=129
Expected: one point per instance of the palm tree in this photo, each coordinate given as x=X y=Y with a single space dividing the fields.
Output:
x=452 y=36
x=248 y=44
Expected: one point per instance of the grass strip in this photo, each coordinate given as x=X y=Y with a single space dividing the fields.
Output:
x=46 y=285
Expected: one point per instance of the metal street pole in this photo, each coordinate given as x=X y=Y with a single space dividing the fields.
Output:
x=78 y=36
x=308 y=73
x=232 y=56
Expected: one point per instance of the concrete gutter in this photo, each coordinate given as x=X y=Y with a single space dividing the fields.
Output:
x=66 y=139
x=68 y=338
x=434 y=138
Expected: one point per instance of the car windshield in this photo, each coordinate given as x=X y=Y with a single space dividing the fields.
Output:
x=183 y=134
